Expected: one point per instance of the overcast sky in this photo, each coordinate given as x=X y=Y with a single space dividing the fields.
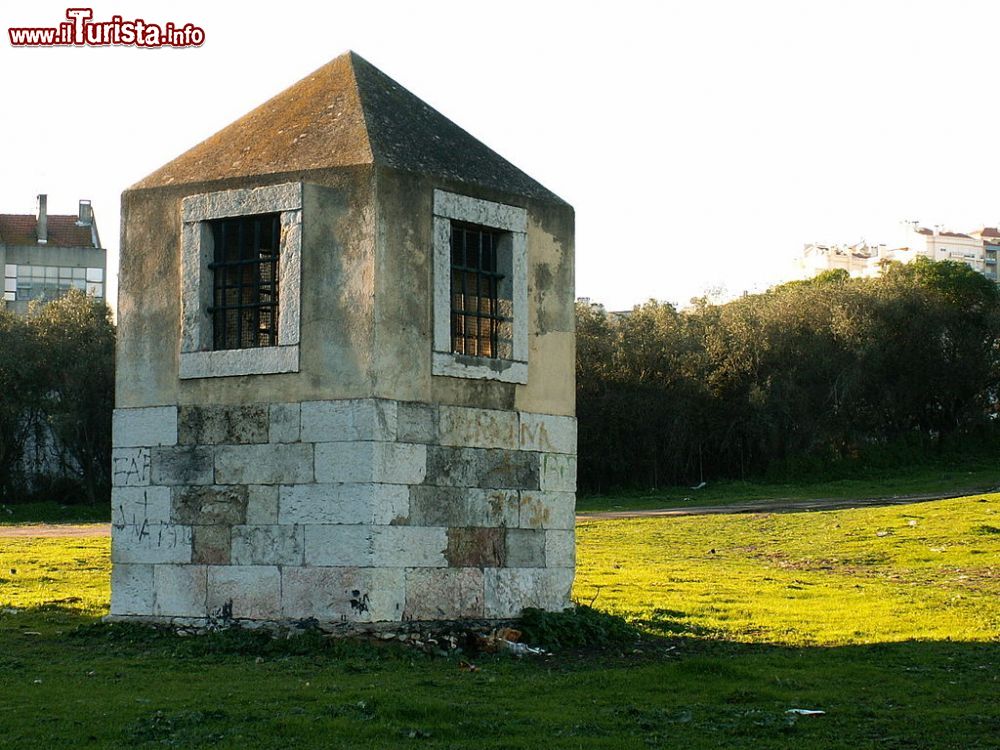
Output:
x=701 y=143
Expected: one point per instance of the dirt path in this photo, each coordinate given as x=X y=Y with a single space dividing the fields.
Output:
x=779 y=506
x=56 y=530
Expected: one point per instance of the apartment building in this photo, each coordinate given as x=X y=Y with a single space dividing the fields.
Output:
x=977 y=249
x=44 y=256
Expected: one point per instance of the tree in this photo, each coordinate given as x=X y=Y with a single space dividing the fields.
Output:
x=78 y=338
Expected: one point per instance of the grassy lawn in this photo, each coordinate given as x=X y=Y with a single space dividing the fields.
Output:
x=885 y=618
x=971 y=476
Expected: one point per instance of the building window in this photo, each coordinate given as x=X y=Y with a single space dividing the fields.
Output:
x=480 y=311
x=241 y=274
x=245 y=281
x=480 y=289
x=9 y=282
x=24 y=283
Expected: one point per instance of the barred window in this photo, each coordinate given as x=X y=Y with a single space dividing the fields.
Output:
x=479 y=321
x=244 y=271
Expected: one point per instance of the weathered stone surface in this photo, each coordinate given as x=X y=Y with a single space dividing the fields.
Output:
x=212 y=425
x=444 y=593
x=285 y=423
x=130 y=467
x=346 y=593
x=476 y=548
x=138 y=505
x=251 y=592
x=526 y=548
x=179 y=590
x=262 y=504
x=131 y=589
x=151 y=543
x=367 y=546
x=348 y=420
x=264 y=464
x=481 y=467
x=183 y=465
x=510 y=590
x=391 y=463
x=155 y=425
x=210 y=545
x=558 y=472
x=262 y=360
x=410 y=546
x=267 y=545
x=209 y=505
x=462 y=506
x=547 y=433
x=416 y=422
x=548 y=510
x=560 y=548
x=477 y=428
x=352 y=503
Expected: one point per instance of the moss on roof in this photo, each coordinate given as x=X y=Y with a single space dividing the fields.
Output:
x=345 y=113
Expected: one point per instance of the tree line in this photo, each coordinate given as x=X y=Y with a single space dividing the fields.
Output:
x=803 y=376
x=56 y=400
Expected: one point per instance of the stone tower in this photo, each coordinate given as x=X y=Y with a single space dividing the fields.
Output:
x=345 y=372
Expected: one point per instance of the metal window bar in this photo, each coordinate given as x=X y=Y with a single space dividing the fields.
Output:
x=475 y=280
x=245 y=281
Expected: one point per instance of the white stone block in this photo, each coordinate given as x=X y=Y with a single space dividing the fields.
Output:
x=290 y=278
x=410 y=546
x=262 y=504
x=135 y=506
x=179 y=590
x=548 y=434
x=264 y=464
x=130 y=467
x=383 y=546
x=131 y=589
x=444 y=593
x=510 y=590
x=267 y=545
x=560 y=548
x=262 y=360
x=547 y=510
x=246 y=592
x=340 y=546
x=284 y=423
x=338 y=594
x=243 y=202
x=479 y=211
x=348 y=420
x=351 y=503
x=151 y=543
x=391 y=463
x=558 y=472
x=146 y=426
x=477 y=428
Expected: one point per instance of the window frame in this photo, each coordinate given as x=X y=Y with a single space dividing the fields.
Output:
x=198 y=358
x=512 y=222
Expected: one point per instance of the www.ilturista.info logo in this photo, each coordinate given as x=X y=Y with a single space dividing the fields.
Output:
x=81 y=31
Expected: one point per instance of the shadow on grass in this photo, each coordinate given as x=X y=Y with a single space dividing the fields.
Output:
x=68 y=678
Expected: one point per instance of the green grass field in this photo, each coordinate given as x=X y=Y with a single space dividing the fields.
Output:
x=886 y=619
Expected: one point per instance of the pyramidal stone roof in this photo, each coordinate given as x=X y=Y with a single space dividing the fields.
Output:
x=345 y=113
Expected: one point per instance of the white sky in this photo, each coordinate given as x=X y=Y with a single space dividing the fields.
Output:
x=701 y=143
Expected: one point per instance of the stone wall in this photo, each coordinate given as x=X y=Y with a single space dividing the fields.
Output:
x=362 y=510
